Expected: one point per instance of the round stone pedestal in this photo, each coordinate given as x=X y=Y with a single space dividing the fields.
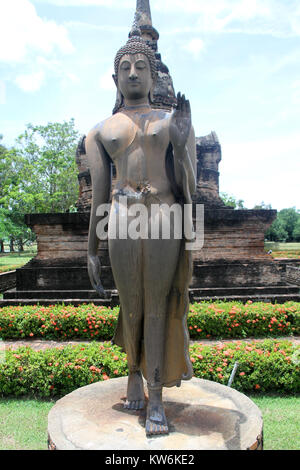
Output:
x=202 y=415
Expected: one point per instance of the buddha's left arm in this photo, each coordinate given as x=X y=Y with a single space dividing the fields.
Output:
x=185 y=165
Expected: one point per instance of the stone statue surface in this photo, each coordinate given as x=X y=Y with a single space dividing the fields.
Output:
x=154 y=153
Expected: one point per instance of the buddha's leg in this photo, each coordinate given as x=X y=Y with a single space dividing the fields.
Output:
x=126 y=263
x=160 y=262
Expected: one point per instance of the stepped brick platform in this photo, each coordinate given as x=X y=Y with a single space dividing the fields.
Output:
x=280 y=295
x=231 y=265
x=7 y=281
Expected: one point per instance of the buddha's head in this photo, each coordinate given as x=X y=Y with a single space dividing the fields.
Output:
x=135 y=70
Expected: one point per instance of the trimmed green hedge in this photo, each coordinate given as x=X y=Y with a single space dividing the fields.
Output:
x=265 y=366
x=205 y=320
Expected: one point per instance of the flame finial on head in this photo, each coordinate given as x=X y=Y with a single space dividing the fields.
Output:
x=135 y=30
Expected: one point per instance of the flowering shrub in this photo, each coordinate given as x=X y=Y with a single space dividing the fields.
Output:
x=58 y=322
x=58 y=371
x=263 y=366
x=237 y=320
x=205 y=320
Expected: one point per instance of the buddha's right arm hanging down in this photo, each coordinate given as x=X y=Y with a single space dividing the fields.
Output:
x=100 y=169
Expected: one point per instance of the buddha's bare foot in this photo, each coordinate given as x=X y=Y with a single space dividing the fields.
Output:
x=135 y=392
x=156 y=422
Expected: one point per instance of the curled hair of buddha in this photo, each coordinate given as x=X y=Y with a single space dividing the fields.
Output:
x=137 y=45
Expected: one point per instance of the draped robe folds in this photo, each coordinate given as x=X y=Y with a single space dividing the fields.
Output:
x=177 y=365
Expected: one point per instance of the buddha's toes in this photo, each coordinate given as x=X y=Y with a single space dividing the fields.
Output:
x=134 y=404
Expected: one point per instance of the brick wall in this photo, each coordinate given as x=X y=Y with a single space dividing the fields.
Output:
x=7 y=281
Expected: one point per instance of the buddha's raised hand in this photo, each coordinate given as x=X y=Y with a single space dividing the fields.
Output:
x=181 y=123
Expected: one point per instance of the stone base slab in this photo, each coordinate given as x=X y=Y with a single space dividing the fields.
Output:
x=202 y=415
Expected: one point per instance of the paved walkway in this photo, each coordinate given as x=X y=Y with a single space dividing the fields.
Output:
x=40 y=344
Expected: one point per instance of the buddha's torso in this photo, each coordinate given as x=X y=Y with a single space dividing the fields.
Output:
x=137 y=142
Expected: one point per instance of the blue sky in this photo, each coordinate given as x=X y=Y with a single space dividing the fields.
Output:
x=238 y=61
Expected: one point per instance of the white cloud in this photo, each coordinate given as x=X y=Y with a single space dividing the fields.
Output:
x=2 y=92
x=272 y=17
x=296 y=92
x=23 y=33
x=31 y=47
x=106 y=81
x=83 y=26
x=195 y=46
x=85 y=3
x=30 y=82
x=258 y=170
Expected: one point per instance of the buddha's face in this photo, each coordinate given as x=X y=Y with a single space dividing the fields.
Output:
x=134 y=76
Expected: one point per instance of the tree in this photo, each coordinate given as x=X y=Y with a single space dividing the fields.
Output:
x=47 y=168
x=289 y=218
x=296 y=231
x=286 y=227
x=3 y=214
x=231 y=201
x=277 y=232
x=262 y=206
x=38 y=175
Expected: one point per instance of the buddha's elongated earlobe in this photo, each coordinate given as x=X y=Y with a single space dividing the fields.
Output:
x=119 y=98
x=151 y=95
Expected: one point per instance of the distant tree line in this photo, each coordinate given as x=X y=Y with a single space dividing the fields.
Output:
x=286 y=226
x=37 y=175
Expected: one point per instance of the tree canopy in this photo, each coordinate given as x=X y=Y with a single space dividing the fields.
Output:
x=37 y=175
x=285 y=228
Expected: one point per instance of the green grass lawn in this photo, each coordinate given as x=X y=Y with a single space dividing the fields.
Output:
x=282 y=246
x=283 y=250
x=11 y=261
x=23 y=423
x=281 y=415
